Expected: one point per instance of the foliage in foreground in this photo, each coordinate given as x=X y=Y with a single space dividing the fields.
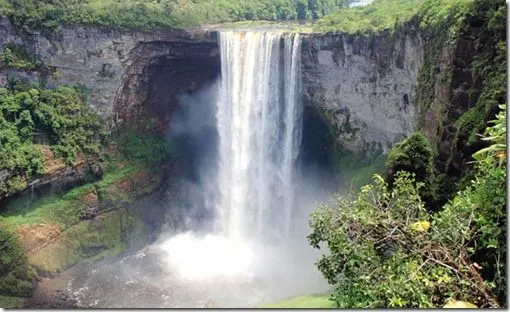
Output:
x=15 y=276
x=385 y=250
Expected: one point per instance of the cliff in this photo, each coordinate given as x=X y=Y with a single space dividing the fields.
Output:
x=365 y=86
x=116 y=65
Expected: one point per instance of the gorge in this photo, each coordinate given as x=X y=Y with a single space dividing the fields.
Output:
x=216 y=145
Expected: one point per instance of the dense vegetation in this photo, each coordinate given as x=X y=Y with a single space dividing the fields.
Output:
x=415 y=238
x=16 y=279
x=489 y=66
x=49 y=15
x=387 y=14
x=16 y=56
x=31 y=117
x=386 y=250
x=456 y=137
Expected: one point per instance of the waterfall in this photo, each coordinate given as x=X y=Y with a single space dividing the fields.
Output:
x=259 y=125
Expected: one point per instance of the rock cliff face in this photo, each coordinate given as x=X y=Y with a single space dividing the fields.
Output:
x=116 y=65
x=364 y=86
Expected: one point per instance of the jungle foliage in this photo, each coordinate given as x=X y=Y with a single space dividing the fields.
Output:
x=489 y=66
x=16 y=56
x=386 y=250
x=31 y=116
x=383 y=15
x=16 y=278
x=464 y=114
x=49 y=15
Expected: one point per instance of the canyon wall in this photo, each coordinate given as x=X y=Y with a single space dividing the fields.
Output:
x=364 y=86
x=115 y=65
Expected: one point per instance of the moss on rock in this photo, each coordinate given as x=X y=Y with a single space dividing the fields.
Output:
x=111 y=231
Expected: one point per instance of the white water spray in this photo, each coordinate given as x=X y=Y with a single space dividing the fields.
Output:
x=259 y=125
x=259 y=121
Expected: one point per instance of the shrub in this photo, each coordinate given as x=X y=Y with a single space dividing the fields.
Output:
x=15 y=275
x=58 y=117
x=16 y=56
x=385 y=250
x=413 y=154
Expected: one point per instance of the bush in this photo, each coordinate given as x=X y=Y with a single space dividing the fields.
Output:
x=57 y=117
x=413 y=154
x=15 y=56
x=15 y=275
x=385 y=250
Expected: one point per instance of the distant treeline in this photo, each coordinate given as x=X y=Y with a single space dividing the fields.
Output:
x=48 y=15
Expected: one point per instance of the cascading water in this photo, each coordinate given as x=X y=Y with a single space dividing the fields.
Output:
x=258 y=252
x=259 y=125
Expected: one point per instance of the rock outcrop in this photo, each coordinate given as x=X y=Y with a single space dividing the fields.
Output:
x=116 y=65
x=365 y=86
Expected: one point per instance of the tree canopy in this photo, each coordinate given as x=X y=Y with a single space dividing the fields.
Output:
x=48 y=15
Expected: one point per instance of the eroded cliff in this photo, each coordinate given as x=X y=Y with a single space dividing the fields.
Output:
x=116 y=65
x=364 y=86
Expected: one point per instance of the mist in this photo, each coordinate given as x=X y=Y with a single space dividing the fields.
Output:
x=197 y=259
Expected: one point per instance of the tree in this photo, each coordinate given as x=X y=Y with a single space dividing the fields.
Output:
x=385 y=250
x=302 y=9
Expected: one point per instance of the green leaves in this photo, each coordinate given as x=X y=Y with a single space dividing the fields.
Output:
x=15 y=56
x=15 y=276
x=57 y=117
x=385 y=250
x=378 y=16
x=50 y=15
x=496 y=135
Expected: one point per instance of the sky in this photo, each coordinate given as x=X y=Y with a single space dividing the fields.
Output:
x=360 y=2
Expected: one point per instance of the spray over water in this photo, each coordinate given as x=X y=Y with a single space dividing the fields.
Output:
x=259 y=125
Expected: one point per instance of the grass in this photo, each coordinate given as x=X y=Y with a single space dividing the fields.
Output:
x=11 y=302
x=310 y=302
x=63 y=209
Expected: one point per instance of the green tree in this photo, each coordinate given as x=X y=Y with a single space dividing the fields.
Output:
x=61 y=115
x=16 y=278
x=415 y=155
x=385 y=250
